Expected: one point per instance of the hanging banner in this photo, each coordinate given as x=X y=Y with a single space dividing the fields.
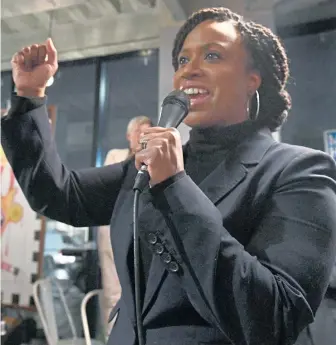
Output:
x=22 y=239
x=20 y=242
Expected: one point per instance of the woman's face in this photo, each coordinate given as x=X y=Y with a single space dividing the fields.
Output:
x=214 y=71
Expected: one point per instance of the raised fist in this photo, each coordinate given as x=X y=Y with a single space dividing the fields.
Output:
x=32 y=67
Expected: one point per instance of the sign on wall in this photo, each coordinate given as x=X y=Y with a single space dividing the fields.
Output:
x=330 y=142
x=22 y=235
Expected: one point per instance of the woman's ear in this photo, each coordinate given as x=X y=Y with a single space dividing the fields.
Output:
x=254 y=82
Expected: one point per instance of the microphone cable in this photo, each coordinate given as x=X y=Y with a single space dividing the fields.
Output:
x=137 y=278
x=141 y=181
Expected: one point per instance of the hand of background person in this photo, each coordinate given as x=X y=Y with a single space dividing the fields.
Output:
x=32 y=67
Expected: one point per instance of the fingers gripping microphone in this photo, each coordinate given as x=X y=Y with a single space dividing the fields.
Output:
x=174 y=109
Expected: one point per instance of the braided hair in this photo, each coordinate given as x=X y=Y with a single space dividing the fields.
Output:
x=268 y=57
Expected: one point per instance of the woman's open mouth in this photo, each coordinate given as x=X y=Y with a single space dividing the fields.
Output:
x=197 y=95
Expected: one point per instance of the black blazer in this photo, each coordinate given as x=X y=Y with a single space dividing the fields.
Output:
x=243 y=258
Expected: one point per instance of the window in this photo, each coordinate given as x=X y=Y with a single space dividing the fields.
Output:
x=312 y=87
x=131 y=90
x=73 y=94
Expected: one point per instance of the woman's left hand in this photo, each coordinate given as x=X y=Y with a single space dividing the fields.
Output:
x=163 y=154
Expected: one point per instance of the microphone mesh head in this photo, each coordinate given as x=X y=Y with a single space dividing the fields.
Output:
x=178 y=96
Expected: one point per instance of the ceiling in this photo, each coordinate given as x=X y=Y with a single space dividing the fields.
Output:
x=79 y=28
x=86 y=28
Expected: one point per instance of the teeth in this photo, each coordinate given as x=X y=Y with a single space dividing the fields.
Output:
x=195 y=91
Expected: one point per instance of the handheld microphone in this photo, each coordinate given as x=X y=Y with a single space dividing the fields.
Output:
x=174 y=109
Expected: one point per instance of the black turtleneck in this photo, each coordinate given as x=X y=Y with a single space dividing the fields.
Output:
x=207 y=147
x=204 y=151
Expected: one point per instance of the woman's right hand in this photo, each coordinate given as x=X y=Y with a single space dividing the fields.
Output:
x=32 y=67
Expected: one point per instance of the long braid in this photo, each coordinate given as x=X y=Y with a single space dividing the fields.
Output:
x=268 y=57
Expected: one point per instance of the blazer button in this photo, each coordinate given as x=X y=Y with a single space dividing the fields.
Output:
x=159 y=249
x=173 y=267
x=166 y=258
x=152 y=238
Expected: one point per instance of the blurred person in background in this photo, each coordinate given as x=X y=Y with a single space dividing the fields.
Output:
x=110 y=281
x=134 y=128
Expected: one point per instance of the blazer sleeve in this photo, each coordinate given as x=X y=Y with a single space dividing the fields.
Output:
x=268 y=291
x=79 y=198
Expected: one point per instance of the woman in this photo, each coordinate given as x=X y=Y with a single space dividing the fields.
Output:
x=238 y=231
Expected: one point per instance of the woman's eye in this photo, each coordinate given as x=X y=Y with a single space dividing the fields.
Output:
x=182 y=60
x=212 y=56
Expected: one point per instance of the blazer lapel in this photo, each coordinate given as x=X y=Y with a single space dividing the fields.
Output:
x=222 y=180
x=234 y=168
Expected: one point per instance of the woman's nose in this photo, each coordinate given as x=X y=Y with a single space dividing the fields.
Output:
x=192 y=69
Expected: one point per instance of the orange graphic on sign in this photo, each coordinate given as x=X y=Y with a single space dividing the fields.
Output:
x=11 y=211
